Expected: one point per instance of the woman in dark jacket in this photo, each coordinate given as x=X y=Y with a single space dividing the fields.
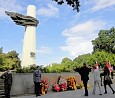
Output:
x=107 y=79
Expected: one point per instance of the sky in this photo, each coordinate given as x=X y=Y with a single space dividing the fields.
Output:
x=61 y=32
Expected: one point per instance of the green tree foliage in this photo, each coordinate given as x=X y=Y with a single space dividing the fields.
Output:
x=75 y=4
x=104 y=49
x=1 y=50
x=9 y=60
x=68 y=64
x=78 y=61
x=105 y=41
x=54 y=67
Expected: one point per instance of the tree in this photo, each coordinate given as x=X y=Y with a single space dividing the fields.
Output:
x=9 y=60
x=78 y=61
x=67 y=63
x=13 y=56
x=75 y=4
x=105 y=41
x=1 y=50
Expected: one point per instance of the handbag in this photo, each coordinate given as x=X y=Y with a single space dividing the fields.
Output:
x=108 y=79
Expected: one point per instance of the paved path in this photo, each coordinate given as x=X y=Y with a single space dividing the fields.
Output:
x=74 y=94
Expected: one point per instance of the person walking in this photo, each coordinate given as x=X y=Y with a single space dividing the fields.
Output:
x=7 y=76
x=84 y=72
x=37 y=81
x=107 y=80
x=97 y=80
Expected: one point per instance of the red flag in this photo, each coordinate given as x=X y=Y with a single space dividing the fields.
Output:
x=96 y=65
x=109 y=66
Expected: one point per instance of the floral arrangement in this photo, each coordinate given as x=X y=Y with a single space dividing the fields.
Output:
x=44 y=86
x=62 y=84
x=55 y=87
x=79 y=85
x=71 y=83
x=88 y=86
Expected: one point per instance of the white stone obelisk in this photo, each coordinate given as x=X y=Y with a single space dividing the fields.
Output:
x=29 y=43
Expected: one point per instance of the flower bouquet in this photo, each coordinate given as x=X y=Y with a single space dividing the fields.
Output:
x=62 y=84
x=79 y=85
x=88 y=86
x=71 y=83
x=55 y=87
x=44 y=86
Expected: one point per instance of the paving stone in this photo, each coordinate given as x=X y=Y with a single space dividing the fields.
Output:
x=74 y=94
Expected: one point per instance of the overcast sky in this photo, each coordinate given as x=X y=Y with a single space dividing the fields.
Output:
x=61 y=32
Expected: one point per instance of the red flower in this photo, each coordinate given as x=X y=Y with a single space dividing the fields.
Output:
x=56 y=87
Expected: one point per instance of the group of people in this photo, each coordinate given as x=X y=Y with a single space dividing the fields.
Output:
x=84 y=72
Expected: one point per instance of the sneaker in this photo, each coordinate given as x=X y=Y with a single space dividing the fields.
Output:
x=100 y=94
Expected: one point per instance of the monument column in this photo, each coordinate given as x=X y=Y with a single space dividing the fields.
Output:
x=29 y=44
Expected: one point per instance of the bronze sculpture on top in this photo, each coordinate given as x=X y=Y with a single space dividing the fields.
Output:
x=22 y=20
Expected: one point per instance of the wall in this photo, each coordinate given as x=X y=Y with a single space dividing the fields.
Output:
x=23 y=82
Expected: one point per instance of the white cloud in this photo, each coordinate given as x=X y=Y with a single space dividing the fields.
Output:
x=102 y=4
x=9 y=5
x=44 y=50
x=79 y=37
x=50 y=11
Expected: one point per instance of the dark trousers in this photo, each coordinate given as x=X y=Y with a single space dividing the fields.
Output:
x=7 y=88
x=37 y=88
x=85 y=86
x=106 y=88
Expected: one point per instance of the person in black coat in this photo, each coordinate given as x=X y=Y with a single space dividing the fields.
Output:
x=84 y=72
x=37 y=81
x=7 y=76
x=107 y=80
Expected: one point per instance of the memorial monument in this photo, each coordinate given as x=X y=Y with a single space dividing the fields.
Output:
x=29 y=45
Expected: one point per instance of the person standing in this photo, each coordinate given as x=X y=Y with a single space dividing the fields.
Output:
x=7 y=76
x=97 y=80
x=84 y=72
x=107 y=80
x=37 y=81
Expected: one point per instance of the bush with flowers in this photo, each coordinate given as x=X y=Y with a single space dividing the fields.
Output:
x=44 y=86
x=71 y=83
